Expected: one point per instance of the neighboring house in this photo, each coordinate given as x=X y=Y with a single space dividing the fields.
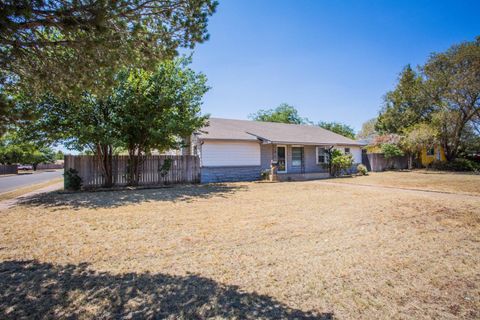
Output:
x=239 y=150
x=428 y=155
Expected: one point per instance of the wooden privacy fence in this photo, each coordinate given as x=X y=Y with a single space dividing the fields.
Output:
x=377 y=162
x=183 y=169
x=49 y=166
x=8 y=169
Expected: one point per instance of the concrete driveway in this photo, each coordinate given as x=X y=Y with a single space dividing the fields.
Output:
x=11 y=183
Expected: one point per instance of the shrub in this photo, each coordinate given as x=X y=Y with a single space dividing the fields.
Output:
x=391 y=150
x=165 y=168
x=456 y=165
x=72 y=180
x=340 y=162
x=362 y=170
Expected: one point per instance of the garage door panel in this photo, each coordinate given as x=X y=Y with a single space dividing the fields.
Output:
x=238 y=153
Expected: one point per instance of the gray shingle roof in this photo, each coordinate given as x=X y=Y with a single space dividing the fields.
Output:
x=230 y=129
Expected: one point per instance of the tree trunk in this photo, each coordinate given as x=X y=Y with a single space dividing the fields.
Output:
x=134 y=165
x=105 y=157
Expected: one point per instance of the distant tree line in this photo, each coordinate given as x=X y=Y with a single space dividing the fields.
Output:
x=286 y=113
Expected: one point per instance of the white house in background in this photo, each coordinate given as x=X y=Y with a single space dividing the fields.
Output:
x=239 y=150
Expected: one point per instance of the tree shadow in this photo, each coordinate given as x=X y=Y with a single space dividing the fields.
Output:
x=33 y=290
x=112 y=199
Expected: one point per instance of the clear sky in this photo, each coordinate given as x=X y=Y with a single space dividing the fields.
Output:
x=332 y=60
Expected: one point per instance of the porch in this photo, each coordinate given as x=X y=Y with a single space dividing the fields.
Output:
x=295 y=162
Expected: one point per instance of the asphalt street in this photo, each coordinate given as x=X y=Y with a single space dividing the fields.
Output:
x=11 y=183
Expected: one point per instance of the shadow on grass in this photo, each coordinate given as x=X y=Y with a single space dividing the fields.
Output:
x=112 y=199
x=30 y=289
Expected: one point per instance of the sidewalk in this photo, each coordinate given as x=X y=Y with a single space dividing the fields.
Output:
x=4 y=205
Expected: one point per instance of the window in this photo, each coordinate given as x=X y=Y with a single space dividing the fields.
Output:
x=347 y=150
x=322 y=155
x=430 y=151
x=297 y=156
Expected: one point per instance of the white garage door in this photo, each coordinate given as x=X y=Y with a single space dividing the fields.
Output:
x=230 y=153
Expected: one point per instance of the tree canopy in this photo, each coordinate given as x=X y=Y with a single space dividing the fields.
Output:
x=453 y=85
x=146 y=110
x=157 y=109
x=404 y=106
x=69 y=47
x=444 y=94
x=340 y=128
x=284 y=113
x=16 y=150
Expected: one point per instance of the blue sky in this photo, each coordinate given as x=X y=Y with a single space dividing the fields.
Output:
x=332 y=60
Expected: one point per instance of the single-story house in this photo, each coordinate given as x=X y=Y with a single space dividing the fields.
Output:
x=239 y=150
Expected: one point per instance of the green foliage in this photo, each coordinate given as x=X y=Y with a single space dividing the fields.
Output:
x=419 y=136
x=59 y=155
x=284 y=113
x=404 y=106
x=156 y=109
x=72 y=181
x=339 y=128
x=80 y=125
x=165 y=168
x=444 y=94
x=146 y=110
x=14 y=148
x=454 y=85
x=42 y=155
x=458 y=164
x=69 y=47
x=390 y=150
x=339 y=162
x=362 y=170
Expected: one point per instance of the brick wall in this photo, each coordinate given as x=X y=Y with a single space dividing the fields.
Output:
x=225 y=174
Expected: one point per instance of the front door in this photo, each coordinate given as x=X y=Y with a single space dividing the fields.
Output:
x=282 y=158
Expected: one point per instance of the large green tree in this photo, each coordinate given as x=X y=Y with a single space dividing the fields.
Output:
x=86 y=124
x=48 y=44
x=284 y=113
x=445 y=94
x=404 y=106
x=146 y=110
x=340 y=128
x=157 y=109
x=453 y=86
x=68 y=47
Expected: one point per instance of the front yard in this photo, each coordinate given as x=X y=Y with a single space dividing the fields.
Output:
x=358 y=248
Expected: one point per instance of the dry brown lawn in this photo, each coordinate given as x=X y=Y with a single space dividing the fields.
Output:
x=448 y=182
x=314 y=250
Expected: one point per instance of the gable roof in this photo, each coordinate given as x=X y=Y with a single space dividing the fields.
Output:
x=230 y=129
